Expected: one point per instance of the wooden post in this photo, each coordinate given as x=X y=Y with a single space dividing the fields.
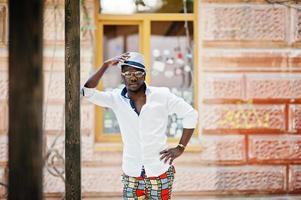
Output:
x=72 y=100
x=25 y=99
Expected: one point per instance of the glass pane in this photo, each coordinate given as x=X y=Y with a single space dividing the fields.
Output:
x=145 y=6
x=172 y=63
x=117 y=39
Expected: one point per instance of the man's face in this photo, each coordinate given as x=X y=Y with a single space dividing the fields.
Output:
x=133 y=82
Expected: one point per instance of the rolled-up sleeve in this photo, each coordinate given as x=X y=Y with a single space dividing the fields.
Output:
x=100 y=98
x=183 y=110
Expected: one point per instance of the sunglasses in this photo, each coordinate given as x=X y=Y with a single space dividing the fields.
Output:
x=137 y=74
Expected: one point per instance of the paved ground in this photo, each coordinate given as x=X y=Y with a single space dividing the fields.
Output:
x=195 y=197
x=279 y=197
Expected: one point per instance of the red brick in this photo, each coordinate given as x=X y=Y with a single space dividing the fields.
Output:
x=243 y=116
x=223 y=148
x=243 y=22
x=295 y=62
x=295 y=178
x=242 y=59
x=295 y=118
x=275 y=147
x=273 y=86
x=218 y=179
x=222 y=86
x=296 y=18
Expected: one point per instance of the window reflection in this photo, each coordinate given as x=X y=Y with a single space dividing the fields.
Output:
x=172 y=63
x=117 y=40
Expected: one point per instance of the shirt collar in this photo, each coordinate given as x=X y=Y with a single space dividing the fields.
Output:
x=124 y=92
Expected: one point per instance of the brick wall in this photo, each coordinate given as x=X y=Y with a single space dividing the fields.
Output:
x=250 y=91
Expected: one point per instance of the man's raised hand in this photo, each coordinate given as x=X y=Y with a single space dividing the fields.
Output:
x=117 y=59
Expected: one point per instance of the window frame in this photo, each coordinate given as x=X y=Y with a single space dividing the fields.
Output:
x=143 y=20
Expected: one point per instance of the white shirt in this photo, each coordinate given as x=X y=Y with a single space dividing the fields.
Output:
x=144 y=135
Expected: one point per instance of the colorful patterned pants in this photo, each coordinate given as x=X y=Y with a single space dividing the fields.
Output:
x=142 y=187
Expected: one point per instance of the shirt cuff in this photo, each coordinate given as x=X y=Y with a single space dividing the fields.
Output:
x=87 y=92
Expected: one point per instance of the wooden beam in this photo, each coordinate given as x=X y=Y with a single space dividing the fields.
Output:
x=72 y=100
x=25 y=99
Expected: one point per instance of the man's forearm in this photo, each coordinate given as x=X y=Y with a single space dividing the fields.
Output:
x=187 y=133
x=93 y=81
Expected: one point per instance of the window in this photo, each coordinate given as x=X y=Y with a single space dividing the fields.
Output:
x=116 y=40
x=145 y=6
x=167 y=37
x=172 y=64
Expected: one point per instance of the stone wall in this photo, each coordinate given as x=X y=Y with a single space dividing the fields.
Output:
x=250 y=91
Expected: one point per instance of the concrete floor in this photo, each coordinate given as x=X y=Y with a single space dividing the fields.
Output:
x=278 y=197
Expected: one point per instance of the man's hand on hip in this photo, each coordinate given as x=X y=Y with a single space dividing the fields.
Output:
x=171 y=154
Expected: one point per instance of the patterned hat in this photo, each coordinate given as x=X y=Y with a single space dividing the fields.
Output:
x=135 y=60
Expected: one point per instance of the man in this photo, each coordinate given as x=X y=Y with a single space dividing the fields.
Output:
x=142 y=113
